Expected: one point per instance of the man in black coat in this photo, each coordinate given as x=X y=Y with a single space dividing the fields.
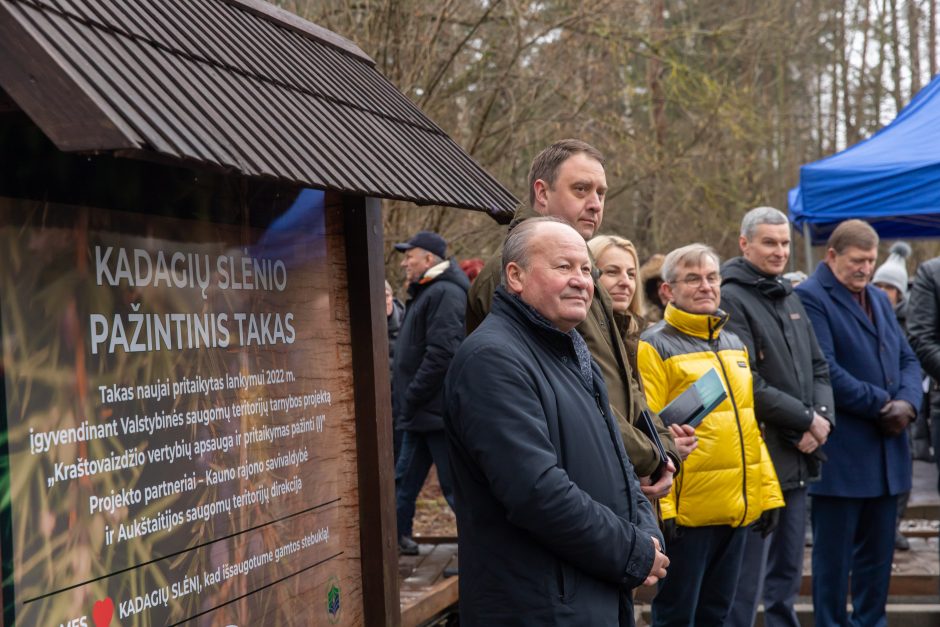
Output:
x=430 y=333
x=923 y=327
x=553 y=527
x=792 y=401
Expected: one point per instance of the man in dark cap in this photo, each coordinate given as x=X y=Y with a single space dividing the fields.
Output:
x=431 y=331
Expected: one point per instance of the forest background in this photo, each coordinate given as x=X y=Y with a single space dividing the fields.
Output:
x=703 y=108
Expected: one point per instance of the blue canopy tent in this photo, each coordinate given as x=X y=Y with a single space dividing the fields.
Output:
x=891 y=179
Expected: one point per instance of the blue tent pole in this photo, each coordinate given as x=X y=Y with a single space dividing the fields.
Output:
x=808 y=248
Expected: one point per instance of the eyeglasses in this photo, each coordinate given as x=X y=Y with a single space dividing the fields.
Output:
x=695 y=280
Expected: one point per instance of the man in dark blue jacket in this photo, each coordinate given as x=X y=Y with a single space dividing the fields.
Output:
x=430 y=333
x=553 y=527
x=876 y=384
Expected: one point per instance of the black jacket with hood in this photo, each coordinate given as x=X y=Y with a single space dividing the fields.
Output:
x=431 y=331
x=791 y=376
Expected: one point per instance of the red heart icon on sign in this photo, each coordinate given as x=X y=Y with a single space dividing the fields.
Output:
x=102 y=612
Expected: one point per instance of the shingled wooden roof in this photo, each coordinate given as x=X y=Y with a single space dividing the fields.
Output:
x=235 y=84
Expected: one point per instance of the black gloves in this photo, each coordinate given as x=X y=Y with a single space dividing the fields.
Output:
x=895 y=416
x=767 y=522
x=670 y=531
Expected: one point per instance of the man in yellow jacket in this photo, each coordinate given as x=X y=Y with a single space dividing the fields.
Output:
x=728 y=486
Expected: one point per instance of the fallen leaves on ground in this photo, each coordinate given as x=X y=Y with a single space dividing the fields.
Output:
x=433 y=516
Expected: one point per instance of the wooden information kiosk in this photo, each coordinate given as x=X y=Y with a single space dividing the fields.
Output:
x=195 y=402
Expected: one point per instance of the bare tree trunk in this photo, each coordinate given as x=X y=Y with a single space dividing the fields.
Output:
x=896 y=54
x=820 y=130
x=836 y=65
x=932 y=38
x=851 y=134
x=913 y=28
x=654 y=67
x=880 y=71
x=784 y=153
x=861 y=88
x=653 y=70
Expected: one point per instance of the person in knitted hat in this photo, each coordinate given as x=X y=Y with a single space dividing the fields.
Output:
x=891 y=276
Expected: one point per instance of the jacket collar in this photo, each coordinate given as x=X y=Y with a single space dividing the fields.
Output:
x=740 y=270
x=434 y=271
x=570 y=343
x=704 y=326
x=445 y=271
x=514 y=307
x=841 y=295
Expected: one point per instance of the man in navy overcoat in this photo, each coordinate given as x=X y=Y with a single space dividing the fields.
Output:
x=876 y=384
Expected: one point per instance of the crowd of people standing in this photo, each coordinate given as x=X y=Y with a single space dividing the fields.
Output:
x=536 y=392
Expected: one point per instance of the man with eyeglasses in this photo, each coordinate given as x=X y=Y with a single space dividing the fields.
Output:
x=728 y=482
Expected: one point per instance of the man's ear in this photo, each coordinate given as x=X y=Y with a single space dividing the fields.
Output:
x=666 y=289
x=541 y=195
x=830 y=255
x=515 y=277
x=742 y=243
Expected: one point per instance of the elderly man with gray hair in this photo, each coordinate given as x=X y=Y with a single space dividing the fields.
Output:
x=728 y=482
x=792 y=401
x=554 y=529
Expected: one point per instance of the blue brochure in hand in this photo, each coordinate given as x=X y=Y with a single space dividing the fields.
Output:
x=699 y=400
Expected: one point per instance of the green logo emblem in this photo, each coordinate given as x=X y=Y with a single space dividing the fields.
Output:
x=332 y=599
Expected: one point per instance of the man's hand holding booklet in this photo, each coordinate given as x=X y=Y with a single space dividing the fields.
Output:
x=689 y=408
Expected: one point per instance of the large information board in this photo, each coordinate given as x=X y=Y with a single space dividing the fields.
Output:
x=179 y=420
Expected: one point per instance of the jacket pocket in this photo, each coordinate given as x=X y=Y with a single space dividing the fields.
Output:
x=567 y=581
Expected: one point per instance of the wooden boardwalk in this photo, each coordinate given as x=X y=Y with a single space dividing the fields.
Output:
x=915 y=573
x=427 y=592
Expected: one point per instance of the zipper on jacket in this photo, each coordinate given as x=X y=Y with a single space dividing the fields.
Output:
x=737 y=419
x=560 y=574
x=677 y=492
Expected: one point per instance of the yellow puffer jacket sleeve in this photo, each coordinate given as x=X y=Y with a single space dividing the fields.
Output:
x=653 y=372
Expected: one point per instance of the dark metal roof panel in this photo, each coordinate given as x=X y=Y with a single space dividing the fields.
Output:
x=239 y=85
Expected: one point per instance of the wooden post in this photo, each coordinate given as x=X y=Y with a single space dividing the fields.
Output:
x=362 y=224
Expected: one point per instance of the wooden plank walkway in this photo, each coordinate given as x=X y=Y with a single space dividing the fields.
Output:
x=425 y=592
x=915 y=580
x=915 y=573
